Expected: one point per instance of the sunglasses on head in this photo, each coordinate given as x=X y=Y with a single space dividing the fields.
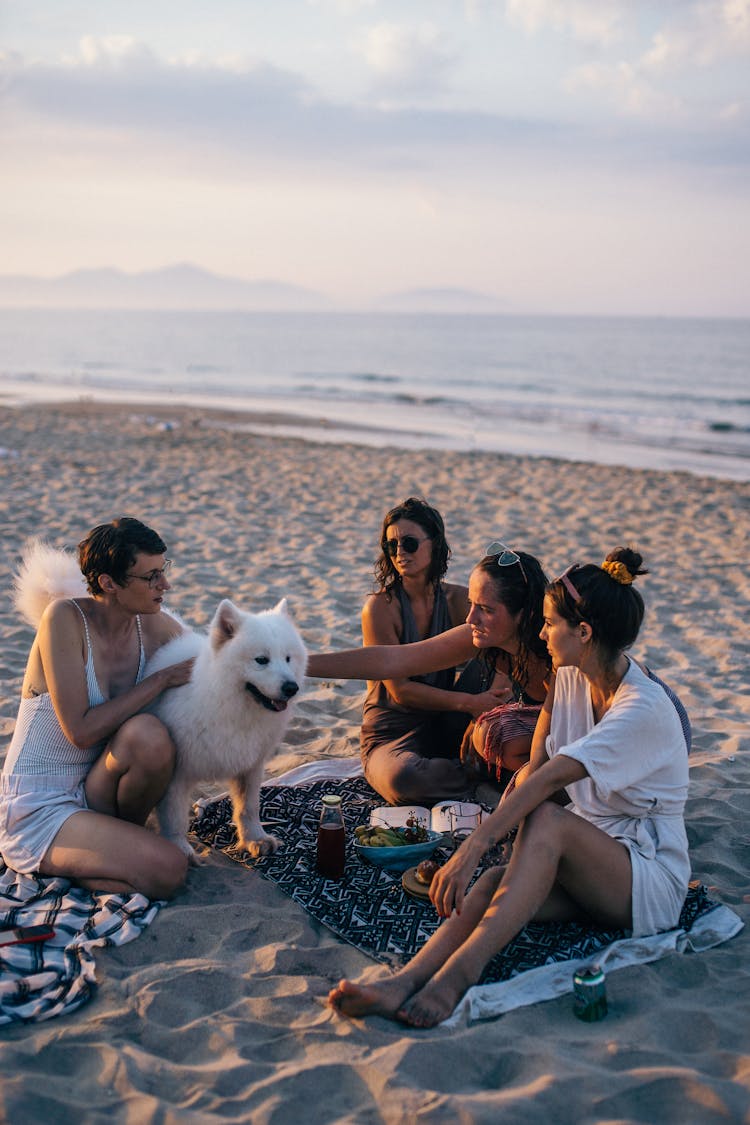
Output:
x=409 y=544
x=504 y=556
x=565 y=579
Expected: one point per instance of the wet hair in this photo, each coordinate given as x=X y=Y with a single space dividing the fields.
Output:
x=614 y=609
x=520 y=588
x=431 y=522
x=111 y=548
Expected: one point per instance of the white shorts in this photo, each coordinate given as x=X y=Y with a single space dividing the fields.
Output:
x=32 y=812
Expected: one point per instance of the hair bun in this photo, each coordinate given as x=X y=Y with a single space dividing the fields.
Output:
x=624 y=565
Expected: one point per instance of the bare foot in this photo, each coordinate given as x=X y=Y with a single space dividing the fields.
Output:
x=384 y=998
x=430 y=1006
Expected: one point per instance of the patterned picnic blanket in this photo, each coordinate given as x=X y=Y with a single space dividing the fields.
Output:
x=44 y=979
x=368 y=907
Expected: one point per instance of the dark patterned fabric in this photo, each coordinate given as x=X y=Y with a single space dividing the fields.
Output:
x=369 y=908
x=45 y=979
x=677 y=703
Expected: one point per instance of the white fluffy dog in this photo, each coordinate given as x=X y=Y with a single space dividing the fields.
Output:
x=231 y=716
x=229 y=719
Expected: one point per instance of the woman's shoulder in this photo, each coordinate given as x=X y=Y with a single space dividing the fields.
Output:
x=66 y=613
x=381 y=620
x=161 y=627
x=457 y=598
x=381 y=604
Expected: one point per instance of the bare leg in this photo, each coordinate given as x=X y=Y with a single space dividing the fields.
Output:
x=134 y=770
x=403 y=777
x=562 y=866
x=386 y=997
x=106 y=848
x=107 y=854
x=515 y=751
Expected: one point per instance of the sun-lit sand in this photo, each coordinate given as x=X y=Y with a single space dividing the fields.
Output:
x=217 y=1012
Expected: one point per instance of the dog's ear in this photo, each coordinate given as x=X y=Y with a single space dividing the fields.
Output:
x=282 y=607
x=225 y=624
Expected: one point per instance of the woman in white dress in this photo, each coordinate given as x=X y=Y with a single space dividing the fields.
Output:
x=86 y=765
x=616 y=855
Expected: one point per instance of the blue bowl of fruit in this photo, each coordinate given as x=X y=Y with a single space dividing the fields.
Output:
x=395 y=849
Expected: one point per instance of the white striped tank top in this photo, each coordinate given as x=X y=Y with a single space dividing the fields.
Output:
x=39 y=745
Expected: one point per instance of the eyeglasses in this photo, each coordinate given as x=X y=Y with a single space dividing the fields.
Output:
x=409 y=544
x=568 y=584
x=504 y=556
x=155 y=576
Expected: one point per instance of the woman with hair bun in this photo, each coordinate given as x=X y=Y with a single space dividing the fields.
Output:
x=616 y=856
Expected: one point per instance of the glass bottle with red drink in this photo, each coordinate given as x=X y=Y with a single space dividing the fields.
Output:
x=331 y=839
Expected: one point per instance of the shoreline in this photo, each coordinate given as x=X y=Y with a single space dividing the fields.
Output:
x=216 y=1011
x=386 y=430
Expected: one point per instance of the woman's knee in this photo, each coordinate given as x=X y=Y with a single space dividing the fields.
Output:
x=478 y=737
x=145 y=741
x=545 y=822
x=401 y=783
x=164 y=874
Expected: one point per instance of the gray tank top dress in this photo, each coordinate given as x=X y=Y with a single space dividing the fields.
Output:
x=431 y=734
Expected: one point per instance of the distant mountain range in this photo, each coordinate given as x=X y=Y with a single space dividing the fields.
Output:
x=187 y=286
x=175 y=287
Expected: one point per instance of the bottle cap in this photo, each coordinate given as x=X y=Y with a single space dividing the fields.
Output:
x=331 y=799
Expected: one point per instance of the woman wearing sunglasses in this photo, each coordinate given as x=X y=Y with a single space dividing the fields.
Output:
x=412 y=727
x=85 y=766
x=616 y=856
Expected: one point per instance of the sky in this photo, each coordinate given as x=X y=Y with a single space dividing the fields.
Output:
x=562 y=156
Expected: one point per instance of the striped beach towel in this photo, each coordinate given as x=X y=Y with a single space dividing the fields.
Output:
x=45 y=979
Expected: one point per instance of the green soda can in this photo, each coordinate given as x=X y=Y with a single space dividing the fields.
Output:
x=589 y=994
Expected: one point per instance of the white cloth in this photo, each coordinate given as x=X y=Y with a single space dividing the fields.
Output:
x=636 y=787
x=486 y=1001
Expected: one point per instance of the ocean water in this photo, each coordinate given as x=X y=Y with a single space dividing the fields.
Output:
x=650 y=393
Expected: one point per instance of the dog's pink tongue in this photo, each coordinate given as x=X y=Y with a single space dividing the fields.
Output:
x=279 y=704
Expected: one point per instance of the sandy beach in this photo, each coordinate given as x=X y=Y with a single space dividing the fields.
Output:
x=216 y=1012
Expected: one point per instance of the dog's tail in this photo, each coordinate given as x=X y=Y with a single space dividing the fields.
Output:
x=45 y=573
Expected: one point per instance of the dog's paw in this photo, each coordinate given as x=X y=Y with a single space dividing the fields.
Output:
x=181 y=842
x=261 y=845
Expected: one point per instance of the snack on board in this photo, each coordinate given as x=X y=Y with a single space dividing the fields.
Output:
x=426 y=870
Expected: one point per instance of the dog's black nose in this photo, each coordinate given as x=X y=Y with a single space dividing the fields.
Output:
x=289 y=688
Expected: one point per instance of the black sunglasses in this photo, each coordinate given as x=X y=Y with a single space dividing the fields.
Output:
x=408 y=543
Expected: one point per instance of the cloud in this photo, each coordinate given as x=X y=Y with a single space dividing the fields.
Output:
x=702 y=35
x=249 y=114
x=589 y=21
x=345 y=7
x=628 y=88
x=660 y=80
x=247 y=106
x=407 y=58
x=113 y=52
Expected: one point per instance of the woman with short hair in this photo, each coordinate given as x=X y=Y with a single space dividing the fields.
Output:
x=86 y=766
